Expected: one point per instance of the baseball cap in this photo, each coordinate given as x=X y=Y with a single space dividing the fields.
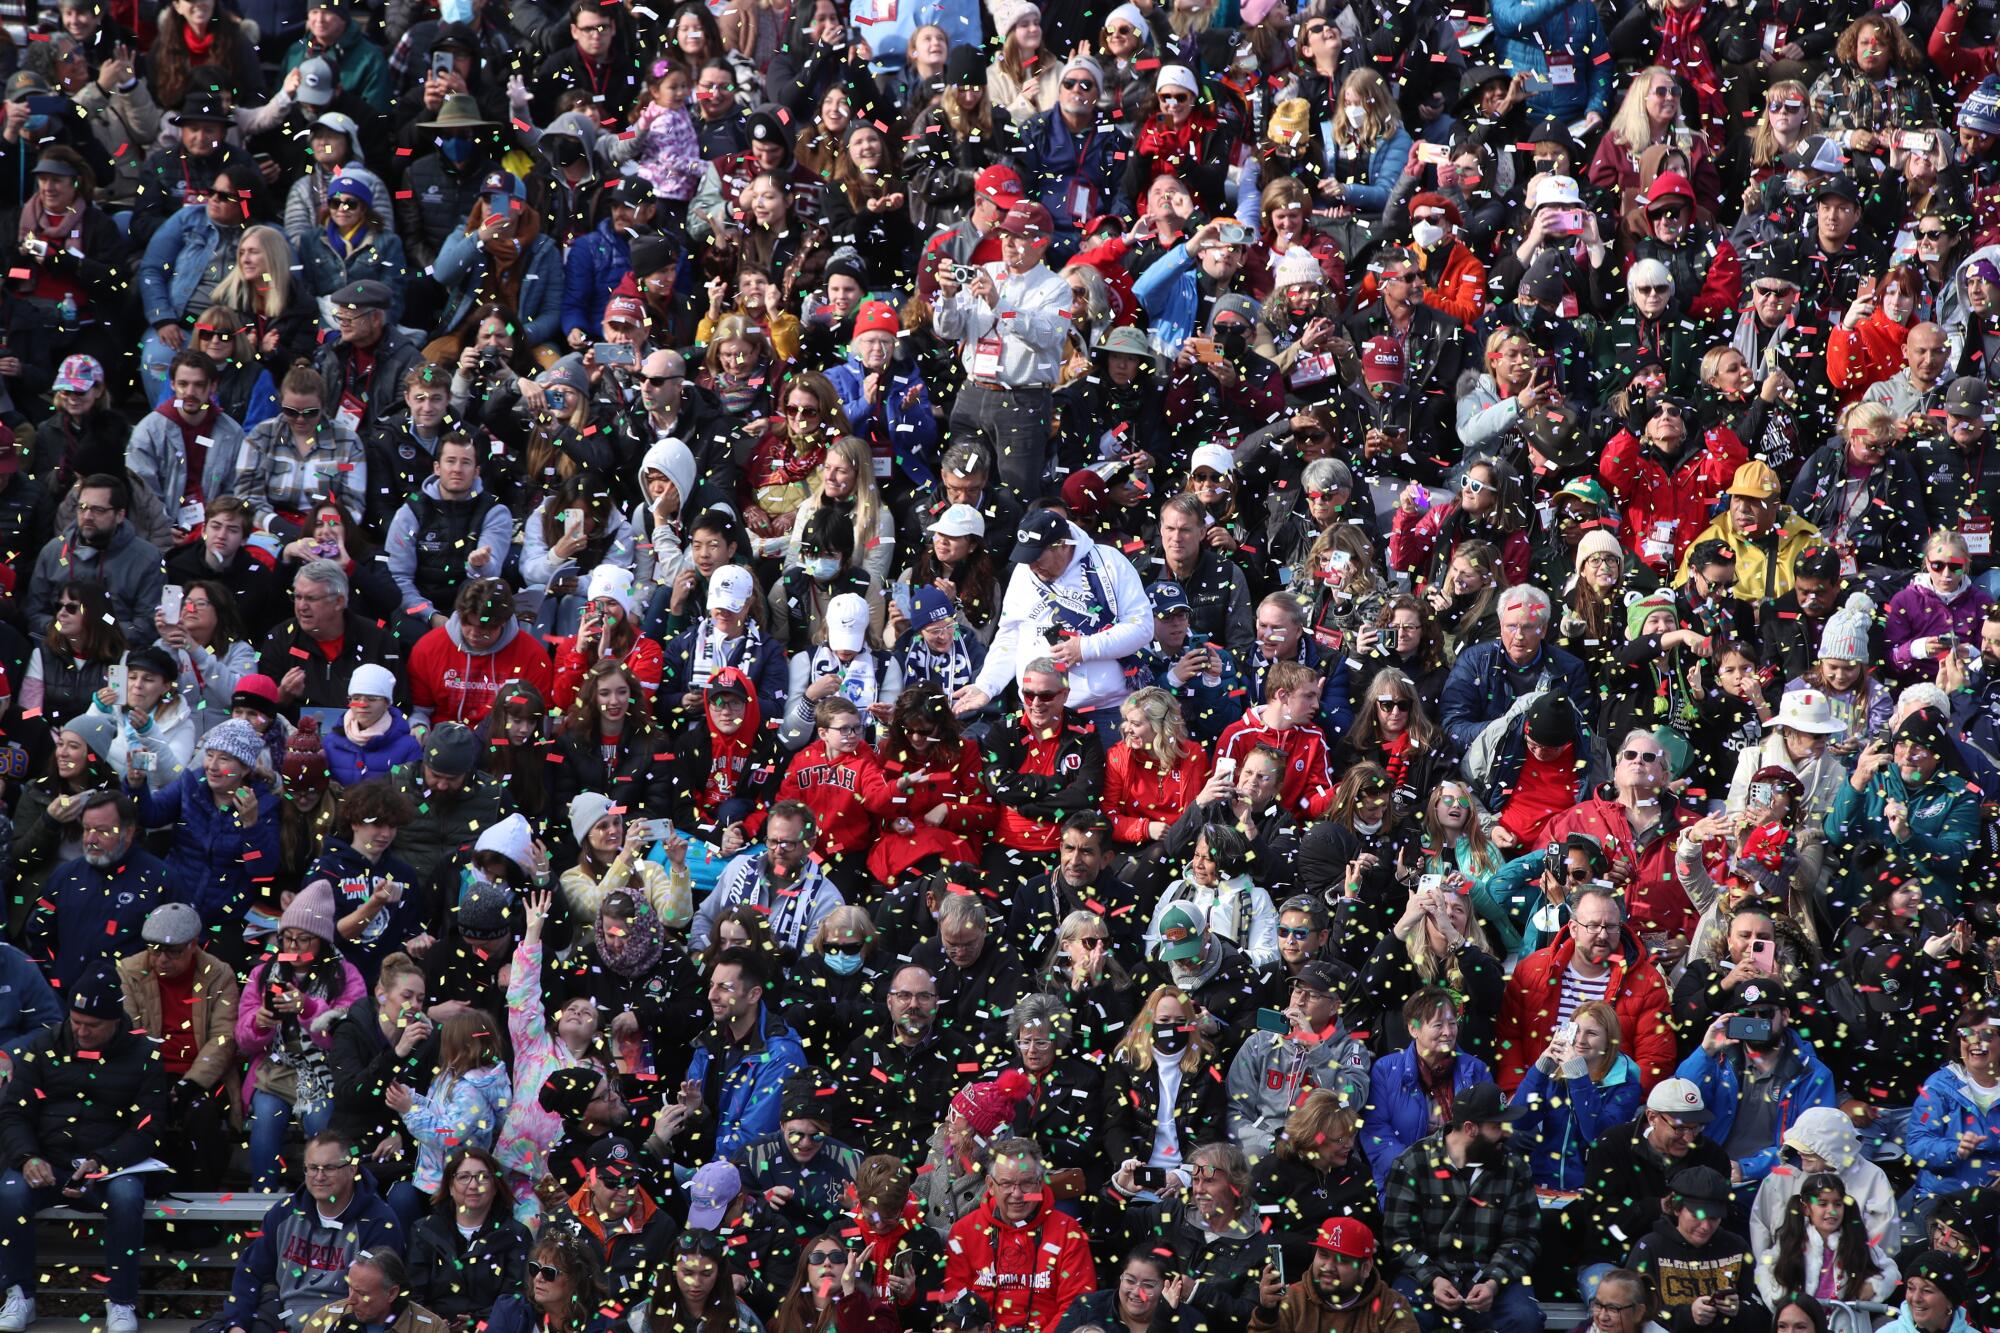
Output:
x=1382 y=360
x=847 y=623
x=317 y=86
x=1027 y=218
x=613 y=1161
x=1755 y=480
x=729 y=588
x=1001 y=184
x=1169 y=597
x=1181 y=931
x=1038 y=532
x=79 y=374
x=503 y=183
x=1347 y=1236
x=958 y=521
x=710 y=1193
x=1681 y=1099
x=1967 y=397
x=1318 y=976
x=928 y=606
x=1482 y=1104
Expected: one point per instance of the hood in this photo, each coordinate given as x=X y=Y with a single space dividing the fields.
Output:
x=576 y=125
x=672 y=460
x=753 y=717
x=454 y=630
x=1825 y=1131
x=432 y=492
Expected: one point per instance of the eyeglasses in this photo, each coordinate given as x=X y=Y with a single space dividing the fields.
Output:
x=588 y=30
x=546 y=1272
x=311 y=597
x=844 y=728
x=1391 y=704
x=300 y=413
x=1079 y=85
x=1641 y=756
x=1042 y=696
x=473 y=1178
x=215 y=335
x=827 y=1256
x=327 y=1168
x=96 y=509
x=1651 y=289
x=1607 y=1307
x=784 y=842
x=914 y=996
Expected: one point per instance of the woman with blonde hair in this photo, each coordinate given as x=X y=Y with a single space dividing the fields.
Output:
x=1786 y=121
x=741 y=367
x=957 y=137
x=1092 y=984
x=846 y=481
x=1370 y=145
x=280 y=318
x=1651 y=114
x=1580 y=1085
x=1393 y=728
x=1025 y=76
x=1314 y=1170
x=1162 y=1066
x=1865 y=500
x=1154 y=772
x=245 y=390
x=836 y=988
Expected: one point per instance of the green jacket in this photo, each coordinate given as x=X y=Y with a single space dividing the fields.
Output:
x=359 y=65
x=1944 y=823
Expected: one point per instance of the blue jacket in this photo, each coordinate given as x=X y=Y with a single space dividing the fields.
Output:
x=598 y=261
x=1719 y=1082
x=305 y=1261
x=1942 y=1113
x=1398 y=1113
x=27 y=1005
x=742 y=1095
x=909 y=429
x=1385 y=168
x=1565 y=1118
x=1528 y=28
x=461 y=270
x=86 y=914
x=1170 y=292
x=380 y=259
x=1479 y=689
x=513 y=1314
x=350 y=763
x=1207 y=709
x=215 y=859
x=1051 y=156
x=173 y=263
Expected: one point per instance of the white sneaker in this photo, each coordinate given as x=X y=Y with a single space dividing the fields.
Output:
x=119 y=1318
x=18 y=1312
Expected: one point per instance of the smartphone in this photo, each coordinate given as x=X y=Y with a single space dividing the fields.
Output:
x=1225 y=768
x=1429 y=883
x=1764 y=956
x=170 y=603
x=614 y=354
x=573 y=521
x=1745 y=1028
x=1273 y=1020
x=47 y=104
x=442 y=62
x=1567 y=1032
x=661 y=829
x=1433 y=154
x=115 y=678
x=1567 y=221
x=1150 y=1177
x=1915 y=141
x=1274 y=1257
x=145 y=760
x=1205 y=351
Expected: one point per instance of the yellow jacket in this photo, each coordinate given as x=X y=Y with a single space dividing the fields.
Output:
x=1753 y=562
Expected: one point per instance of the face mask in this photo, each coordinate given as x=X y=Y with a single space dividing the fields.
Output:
x=842 y=964
x=1355 y=115
x=564 y=152
x=456 y=150
x=1370 y=829
x=1170 y=1041
x=1427 y=234
x=823 y=568
x=1235 y=340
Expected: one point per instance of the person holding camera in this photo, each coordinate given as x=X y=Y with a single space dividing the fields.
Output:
x=1759 y=1074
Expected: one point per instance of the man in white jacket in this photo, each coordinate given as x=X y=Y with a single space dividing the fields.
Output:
x=1076 y=602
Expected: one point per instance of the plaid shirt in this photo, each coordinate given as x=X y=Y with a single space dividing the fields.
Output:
x=272 y=478
x=1439 y=1226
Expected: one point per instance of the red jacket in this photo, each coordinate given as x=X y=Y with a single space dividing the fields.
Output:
x=1965 y=66
x=1413 y=538
x=969 y=813
x=452 y=684
x=1307 y=787
x=1668 y=509
x=1866 y=354
x=1654 y=900
x=1634 y=987
x=645 y=660
x=1136 y=792
x=844 y=796
x=1027 y=1273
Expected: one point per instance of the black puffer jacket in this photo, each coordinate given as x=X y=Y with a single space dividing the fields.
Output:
x=61 y=1106
x=452 y=1276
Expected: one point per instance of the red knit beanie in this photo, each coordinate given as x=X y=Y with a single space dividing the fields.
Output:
x=987 y=1106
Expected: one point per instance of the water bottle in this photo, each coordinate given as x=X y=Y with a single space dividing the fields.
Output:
x=67 y=308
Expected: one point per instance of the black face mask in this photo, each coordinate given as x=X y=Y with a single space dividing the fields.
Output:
x=565 y=152
x=1234 y=340
x=1170 y=1041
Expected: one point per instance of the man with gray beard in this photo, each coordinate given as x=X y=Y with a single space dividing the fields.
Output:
x=94 y=906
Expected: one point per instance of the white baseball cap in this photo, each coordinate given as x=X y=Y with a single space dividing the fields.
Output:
x=959 y=521
x=1681 y=1099
x=729 y=588
x=847 y=623
x=1217 y=458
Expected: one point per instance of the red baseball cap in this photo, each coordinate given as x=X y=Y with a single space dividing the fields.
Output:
x=1028 y=219
x=1001 y=184
x=1382 y=360
x=1347 y=1236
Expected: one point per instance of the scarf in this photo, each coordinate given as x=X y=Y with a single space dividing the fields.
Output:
x=1437 y=1084
x=345 y=243
x=56 y=231
x=948 y=670
x=502 y=280
x=1685 y=51
x=737 y=395
x=1173 y=147
x=633 y=953
x=199 y=44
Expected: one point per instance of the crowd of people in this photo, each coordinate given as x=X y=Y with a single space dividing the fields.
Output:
x=921 y=665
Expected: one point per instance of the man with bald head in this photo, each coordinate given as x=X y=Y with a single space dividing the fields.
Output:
x=671 y=405
x=899 y=1074
x=1917 y=390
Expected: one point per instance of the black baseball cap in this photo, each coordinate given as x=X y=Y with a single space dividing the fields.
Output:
x=1038 y=532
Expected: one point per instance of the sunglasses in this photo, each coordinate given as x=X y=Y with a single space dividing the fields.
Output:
x=1940 y=566
x=1641 y=756
x=1042 y=696
x=1932 y=233
x=1791 y=104
x=1299 y=933
x=343 y=202
x=1092 y=941
x=805 y=1136
x=1390 y=704
x=1473 y=485
x=848 y=950
x=1313 y=435
x=827 y=1257
x=1780 y=291
x=300 y=413
x=546 y=1272
x=1173 y=97
x=803 y=413
x=1079 y=85
x=1648 y=289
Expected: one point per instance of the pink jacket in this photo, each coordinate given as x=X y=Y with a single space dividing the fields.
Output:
x=255 y=1043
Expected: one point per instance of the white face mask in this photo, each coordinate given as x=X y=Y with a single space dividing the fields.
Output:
x=1355 y=115
x=1370 y=829
x=1427 y=234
